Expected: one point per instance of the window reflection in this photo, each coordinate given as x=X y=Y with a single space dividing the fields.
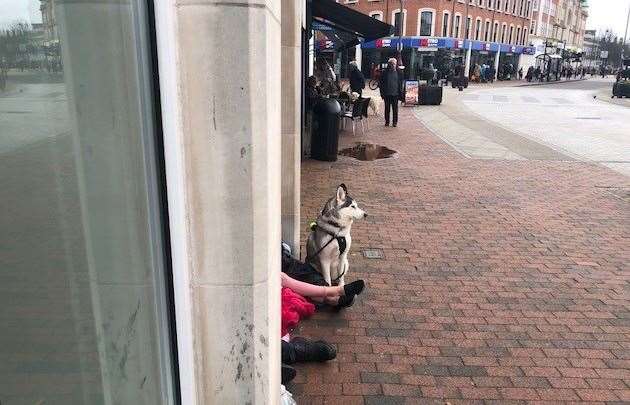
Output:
x=81 y=258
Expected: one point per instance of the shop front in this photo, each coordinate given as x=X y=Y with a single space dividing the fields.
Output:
x=440 y=53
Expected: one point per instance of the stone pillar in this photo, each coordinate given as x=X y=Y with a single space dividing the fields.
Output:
x=228 y=81
x=496 y=63
x=468 y=55
x=358 y=55
x=291 y=121
x=311 y=55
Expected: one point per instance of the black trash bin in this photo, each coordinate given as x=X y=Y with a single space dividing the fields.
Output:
x=325 y=139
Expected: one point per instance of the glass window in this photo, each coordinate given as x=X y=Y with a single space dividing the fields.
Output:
x=495 y=32
x=426 y=23
x=518 y=35
x=468 y=27
x=445 y=21
x=399 y=23
x=377 y=16
x=486 y=35
x=503 y=32
x=83 y=282
x=511 y=33
x=458 y=22
x=477 y=29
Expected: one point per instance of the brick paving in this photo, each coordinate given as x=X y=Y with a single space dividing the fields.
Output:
x=502 y=281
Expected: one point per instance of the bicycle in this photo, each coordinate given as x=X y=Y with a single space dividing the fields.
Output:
x=374 y=80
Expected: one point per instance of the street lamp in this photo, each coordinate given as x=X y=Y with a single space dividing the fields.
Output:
x=400 y=30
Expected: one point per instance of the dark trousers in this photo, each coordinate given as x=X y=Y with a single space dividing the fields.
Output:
x=391 y=102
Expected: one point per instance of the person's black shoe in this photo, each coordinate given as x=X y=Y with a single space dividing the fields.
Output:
x=287 y=373
x=345 y=301
x=387 y=124
x=354 y=288
x=288 y=353
x=306 y=350
x=394 y=125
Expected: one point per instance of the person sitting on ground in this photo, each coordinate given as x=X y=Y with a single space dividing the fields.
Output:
x=308 y=282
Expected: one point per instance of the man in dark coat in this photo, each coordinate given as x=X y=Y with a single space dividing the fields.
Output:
x=357 y=80
x=390 y=84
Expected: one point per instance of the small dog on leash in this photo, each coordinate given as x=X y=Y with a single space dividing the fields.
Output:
x=329 y=242
x=373 y=106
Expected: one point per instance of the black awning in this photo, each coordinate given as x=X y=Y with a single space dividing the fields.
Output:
x=356 y=27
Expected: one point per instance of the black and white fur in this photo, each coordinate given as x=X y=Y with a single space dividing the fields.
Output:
x=335 y=220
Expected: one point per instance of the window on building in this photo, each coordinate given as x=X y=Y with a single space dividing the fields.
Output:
x=518 y=35
x=503 y=32
x=458 y=23
x=486 y=34
x=399 y=23
x=511 y=34
x=445 y=21
x=507 y=6
x=495 y=32
x=490 y=4
x=468 y=26
x=426 y=23
x=514 y=6
x=525 y=36
x=480 y=3
x=477 y=30
x=377 y=15
x=528 y=8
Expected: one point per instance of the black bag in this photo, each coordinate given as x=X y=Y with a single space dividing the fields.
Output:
x=430 y=95
x=460 y=81
x=621 y=89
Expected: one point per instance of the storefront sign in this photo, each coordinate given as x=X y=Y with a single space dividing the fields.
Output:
x=428 y=43
x=383 y=43
x=411 y=92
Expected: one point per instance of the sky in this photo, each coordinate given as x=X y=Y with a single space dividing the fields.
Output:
x=24 y=10
x=605 y=14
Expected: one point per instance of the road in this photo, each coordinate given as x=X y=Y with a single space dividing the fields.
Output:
x=563 y=121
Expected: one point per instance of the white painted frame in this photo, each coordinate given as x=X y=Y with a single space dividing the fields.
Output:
x=457 y=28
x=446 y=16
x=433 y=18
x=393 y=19
x=376 y=12
x=487 y=29
x=479 y=21
x=166 y=34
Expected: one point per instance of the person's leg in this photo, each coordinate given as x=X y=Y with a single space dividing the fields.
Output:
x=395 y=108
x=387 y=109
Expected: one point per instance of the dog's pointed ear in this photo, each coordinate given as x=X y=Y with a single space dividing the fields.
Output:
x=342 y=192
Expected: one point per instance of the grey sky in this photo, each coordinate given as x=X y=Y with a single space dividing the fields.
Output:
x=602 y=13
x=24 y=10
x=608 y=14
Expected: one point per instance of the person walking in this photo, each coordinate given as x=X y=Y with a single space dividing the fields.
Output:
x=357 y=80
x=530 y=74
x=391 y=90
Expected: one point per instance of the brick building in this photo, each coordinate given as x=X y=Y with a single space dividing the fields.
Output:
x=484 y=31
x=560 y=24
x=503 y=21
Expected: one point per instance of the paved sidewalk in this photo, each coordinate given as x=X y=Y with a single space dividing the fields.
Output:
x=502 y=281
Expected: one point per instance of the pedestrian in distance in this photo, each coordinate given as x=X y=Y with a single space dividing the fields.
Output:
x=529 y=74
x=391 y=90
x=520 y=74
x=357 y=80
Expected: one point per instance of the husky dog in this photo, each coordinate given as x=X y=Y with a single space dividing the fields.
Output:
x=329 y=242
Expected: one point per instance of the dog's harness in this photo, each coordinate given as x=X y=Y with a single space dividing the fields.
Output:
x=341 y=241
